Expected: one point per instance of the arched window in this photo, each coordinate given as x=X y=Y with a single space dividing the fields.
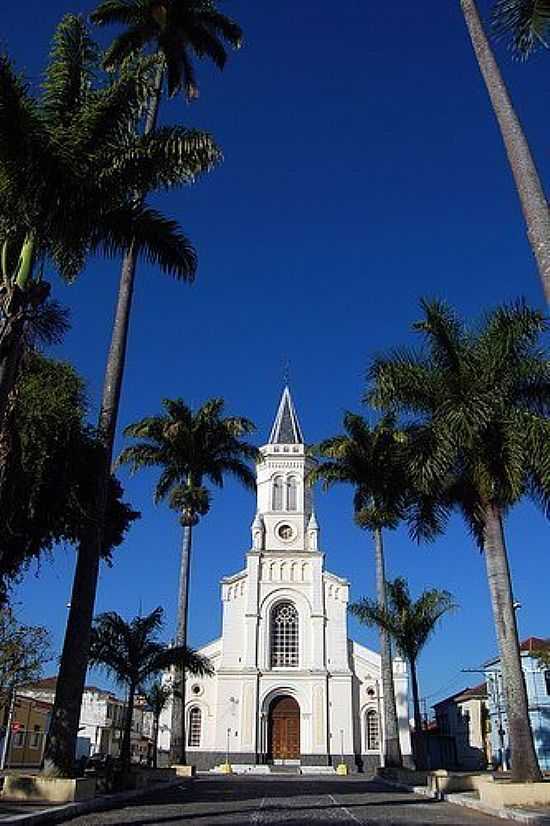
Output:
x=372 y=730
x=292 y=494
x=277 y=493
x=284 y=636
x=194 y=736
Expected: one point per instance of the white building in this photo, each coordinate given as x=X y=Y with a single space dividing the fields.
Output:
x=289 y=684
x=101 y=717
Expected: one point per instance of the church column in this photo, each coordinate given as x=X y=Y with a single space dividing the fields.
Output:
x=251 y=611
x=318 y=617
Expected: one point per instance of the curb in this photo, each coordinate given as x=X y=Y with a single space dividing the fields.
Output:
x=98 y=804
x=468 y=802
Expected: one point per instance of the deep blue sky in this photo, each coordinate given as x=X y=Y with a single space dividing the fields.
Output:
x=363 y=169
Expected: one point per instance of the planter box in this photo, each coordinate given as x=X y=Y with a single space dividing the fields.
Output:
x=443 y=781
x=37 y=789
x=503 y=793
x=182 y=770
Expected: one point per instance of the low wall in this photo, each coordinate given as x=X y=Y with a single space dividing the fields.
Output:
x=36 y=789
x=503 y=793
x=440 y=781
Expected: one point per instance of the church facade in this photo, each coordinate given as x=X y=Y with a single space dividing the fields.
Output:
x=289 y=685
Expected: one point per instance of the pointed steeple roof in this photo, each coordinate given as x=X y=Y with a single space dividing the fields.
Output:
x=286 y=429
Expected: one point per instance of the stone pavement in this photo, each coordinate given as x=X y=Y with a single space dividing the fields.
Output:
x=292 y=801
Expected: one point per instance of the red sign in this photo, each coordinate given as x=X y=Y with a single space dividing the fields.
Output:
x=15 y=727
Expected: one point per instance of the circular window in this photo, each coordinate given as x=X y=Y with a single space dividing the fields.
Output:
x=285 y=532
x=196 y=689
x=371 y=692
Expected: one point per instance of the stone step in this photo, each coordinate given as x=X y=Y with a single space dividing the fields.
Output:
x=318 y=770
x=241 y=768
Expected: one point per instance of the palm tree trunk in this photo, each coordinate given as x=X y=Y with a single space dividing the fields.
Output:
x=125 y=749
x=178 y=741
x=11 y=337
x=525 y=765
x=392 y=746
x=531 y=193
x=61 y=739
x=416 y=698
x=420 y=756
x=58 y=759
x=155 y=741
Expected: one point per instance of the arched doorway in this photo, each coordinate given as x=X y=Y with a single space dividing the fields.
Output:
x=284 y=729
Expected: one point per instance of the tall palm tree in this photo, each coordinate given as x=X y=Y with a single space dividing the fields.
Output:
x=530 y=190
x=157 y=697
x=190 y=448
x=480 y=442
x=76 y=180
x=71 y=170
x=371 y=460
x=410 y=623
x=132 y=655
x=172 y=30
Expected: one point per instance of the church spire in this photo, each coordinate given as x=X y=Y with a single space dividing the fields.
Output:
x=286 y=429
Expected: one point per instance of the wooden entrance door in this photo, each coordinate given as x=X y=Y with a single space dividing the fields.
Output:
x=284 y=729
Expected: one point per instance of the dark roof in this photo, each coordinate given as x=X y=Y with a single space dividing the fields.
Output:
x=477 y=691
x=534 y=644
x=529 y=646
x=286 y=429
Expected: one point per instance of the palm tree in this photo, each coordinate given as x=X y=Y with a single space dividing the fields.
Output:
x=75 y=172
x=131 y=654
x=410 y=623
x=176 y=30
x=530 y=190
x=370 y=459
x=157 y=697
x=74 y=175
x=480 y=442
x=173 y=30
x=190 y=448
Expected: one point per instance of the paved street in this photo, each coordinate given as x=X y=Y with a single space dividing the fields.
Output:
x=293 y=801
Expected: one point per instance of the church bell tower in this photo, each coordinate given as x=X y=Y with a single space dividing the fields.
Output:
x=285 y=520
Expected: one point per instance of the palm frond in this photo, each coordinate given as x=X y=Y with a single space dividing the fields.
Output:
x=159 y=240
x=127 y=44
x=70 y=71
x=523 y=23
x=168 y=157
x=122 y=12
x=47 y=324
x=21 y=129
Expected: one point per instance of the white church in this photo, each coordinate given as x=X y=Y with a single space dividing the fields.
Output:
x=290 y=687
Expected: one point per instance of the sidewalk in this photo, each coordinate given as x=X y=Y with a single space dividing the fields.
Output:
x=35 y=813
x=470 y=800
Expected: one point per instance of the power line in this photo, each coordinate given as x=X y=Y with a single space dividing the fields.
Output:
x=446 y=687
